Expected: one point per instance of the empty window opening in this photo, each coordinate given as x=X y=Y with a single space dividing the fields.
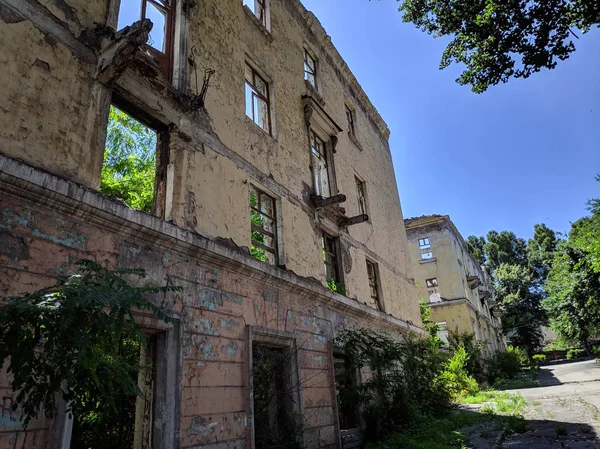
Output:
x=361 y=195
x=443 y=331
x=264 y=226
x=160 y=13
x=129 y=169
x=350 y=119
x=259 y=9
x=373 y=275
x=346 y=390
x=310 y=69
x=425 y=248
x=318 y=154
x=257 y=99
x=126 y=422
x=331 y=262
x=432 y=290
x=275 y=421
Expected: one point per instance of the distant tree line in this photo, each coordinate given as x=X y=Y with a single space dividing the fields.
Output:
x=551 y=279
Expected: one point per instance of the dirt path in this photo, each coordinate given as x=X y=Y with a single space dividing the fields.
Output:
x=565 y=413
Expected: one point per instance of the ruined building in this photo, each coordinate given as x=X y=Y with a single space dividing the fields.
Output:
x=274 y=203
x=455 y=286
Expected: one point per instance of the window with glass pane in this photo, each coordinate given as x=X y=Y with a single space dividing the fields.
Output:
x=259 y=8
x=310 y=69
x=330 y=258
x=424 y=243
x=257 y=99
x=160 y=13
x=350 y=119
x=360 y=193
x=373 y=283
x=263 y=226
x=319 y=166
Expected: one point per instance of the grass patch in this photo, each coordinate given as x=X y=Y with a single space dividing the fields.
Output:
x=497 y=402
x=524 y=379
x=434 y=433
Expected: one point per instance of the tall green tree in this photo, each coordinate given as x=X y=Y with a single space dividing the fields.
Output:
x=476 y=248
x=520 y=302
x=504 y=248
x=129 y=168
x=573 y=286
x=497 y=40
x=540 y=251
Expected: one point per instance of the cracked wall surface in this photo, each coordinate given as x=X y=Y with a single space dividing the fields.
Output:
x=53 y=117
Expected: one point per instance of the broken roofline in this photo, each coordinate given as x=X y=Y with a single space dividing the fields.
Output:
x=74 y=199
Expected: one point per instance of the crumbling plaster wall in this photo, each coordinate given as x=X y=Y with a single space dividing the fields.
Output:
x=54 y=112
x=52 y=224
x=226 y=37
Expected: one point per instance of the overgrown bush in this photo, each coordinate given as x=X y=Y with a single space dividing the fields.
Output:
x=455 y=378
x=538 y=359
x=503 y=365
x=472 y=347
x=575 y=353
x=404 y=385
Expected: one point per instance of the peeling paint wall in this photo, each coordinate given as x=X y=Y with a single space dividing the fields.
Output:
x=53 y=115
x=217 y=304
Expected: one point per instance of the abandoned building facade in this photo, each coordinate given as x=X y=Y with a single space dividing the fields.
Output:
x=274 y=203
x=452 y=283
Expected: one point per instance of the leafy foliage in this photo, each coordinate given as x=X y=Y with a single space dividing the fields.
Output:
x=467 y=342
x=502 y=39
x=455 y=377
x=129 y=166
x=67 y=340
x=521 y=305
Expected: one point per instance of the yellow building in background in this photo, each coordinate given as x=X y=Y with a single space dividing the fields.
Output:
x=452 y=282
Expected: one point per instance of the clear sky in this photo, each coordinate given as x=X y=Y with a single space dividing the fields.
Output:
x=522 y=153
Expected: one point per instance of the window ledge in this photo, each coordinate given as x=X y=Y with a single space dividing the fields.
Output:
x=424 y=261
x=355 y=141
x=263 y=29
x=313 y=92
x=250 y=122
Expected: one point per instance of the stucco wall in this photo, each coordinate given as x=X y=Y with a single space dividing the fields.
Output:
x=54 y=114
x=451 y=265
x=224 y=292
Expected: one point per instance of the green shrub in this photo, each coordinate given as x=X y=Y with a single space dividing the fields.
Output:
x=538 y=359
x=503 y=365
x=575 y=353
x=466 y=340
x=455 y=378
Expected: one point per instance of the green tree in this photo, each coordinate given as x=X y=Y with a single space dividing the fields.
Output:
x=129 y=168
x=74 y=340
x=502 y=39
x=476 y=248
x=540 y=251
x=520 y=302
x=504 y=248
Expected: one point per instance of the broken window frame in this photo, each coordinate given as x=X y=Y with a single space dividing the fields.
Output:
x=310 y=73
x=319 y=166
x=433 y=289
x=284 y=341
x=257 y=97
x=260 y=9
x=425 y=247
x=163 y=57
x=331 y=258
x=374 y=284
x=361 y=193
x=274 y=250
x=163 y=387
x=159 y=203
x=348 y=418
x=350 y=117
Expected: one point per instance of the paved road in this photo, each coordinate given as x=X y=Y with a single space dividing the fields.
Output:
x=565 y=413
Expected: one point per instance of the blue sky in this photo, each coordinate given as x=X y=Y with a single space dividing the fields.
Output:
x=522 y=153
